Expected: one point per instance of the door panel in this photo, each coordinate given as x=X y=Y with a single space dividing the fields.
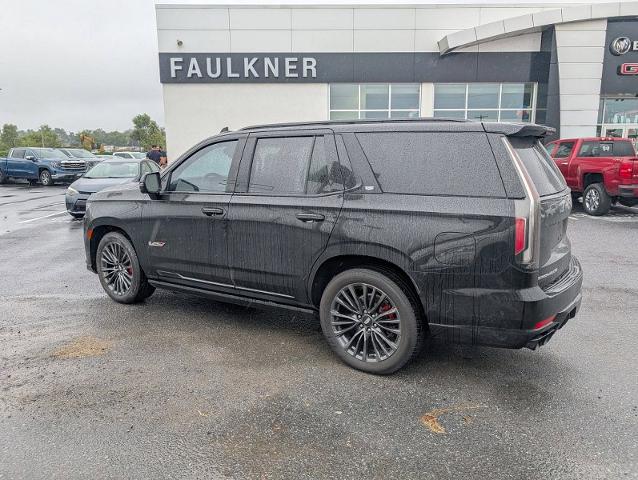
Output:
x=185 y=242
x=275 y=240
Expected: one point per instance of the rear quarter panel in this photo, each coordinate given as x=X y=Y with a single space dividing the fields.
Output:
x=452 y=248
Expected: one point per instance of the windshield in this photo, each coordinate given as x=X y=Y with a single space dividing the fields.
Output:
x=138 y=155
x=79 y=153
x=114 y=170
x=49 y=153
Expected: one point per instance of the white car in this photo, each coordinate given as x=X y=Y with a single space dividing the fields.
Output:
x=136 y=155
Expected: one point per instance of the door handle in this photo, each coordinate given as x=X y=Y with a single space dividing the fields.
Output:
x=311 y=217
x=212 y=211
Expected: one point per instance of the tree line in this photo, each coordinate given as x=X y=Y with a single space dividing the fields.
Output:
x=144 y=133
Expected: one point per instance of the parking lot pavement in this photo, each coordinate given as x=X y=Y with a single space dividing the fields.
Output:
x=186 y=387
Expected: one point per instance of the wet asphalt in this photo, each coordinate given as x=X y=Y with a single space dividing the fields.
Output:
x=183 y=387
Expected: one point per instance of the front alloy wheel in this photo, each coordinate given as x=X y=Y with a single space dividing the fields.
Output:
x=117 y=268
x=45 y=178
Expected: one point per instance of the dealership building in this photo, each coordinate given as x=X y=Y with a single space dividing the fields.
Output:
x=573 y=67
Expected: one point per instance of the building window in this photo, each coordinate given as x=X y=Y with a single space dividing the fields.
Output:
x=350 y=101
x=490 y=102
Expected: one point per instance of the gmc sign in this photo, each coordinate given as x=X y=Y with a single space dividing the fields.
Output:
x=628 y=69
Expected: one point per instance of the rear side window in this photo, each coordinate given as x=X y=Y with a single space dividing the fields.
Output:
x=564 y=150
x=433 y=163
x=596 y=149
x=280 y=165
x=624 y=149
x=540 y=166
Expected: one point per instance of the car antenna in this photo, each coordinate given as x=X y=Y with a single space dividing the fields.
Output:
x=224 y=130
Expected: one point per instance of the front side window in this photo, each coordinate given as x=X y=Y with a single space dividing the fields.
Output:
x=488 y=102
x=17 y=153
x=205 y=171
x=564 y=150
x=351 y=101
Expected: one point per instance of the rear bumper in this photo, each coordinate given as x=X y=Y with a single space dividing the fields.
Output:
x=628 y=191
x=507 y=318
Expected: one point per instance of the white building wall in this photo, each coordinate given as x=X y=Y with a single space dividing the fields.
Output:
x=581 y=49
x=194 y=112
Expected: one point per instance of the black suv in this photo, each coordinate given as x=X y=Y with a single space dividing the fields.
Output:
x=390 y=230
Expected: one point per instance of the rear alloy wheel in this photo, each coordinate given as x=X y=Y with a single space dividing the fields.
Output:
x=370 y=322
x=45 y=178
x=596 y=200
x=119 y=270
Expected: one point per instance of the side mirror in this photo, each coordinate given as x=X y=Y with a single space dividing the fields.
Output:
x=30 y=157
x=151 y=184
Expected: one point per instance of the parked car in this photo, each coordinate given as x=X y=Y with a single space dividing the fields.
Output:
x=601 y=170
x=129 y=154
x=389 y=230
x=44 y=165
x=116 y=171
x=89 y=158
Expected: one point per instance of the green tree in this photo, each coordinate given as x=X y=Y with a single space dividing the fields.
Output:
x=147 y=132
x=44 y=137
x=9 y=136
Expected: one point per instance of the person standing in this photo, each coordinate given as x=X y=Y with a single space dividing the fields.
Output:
x=163 y=158
x=154 y=154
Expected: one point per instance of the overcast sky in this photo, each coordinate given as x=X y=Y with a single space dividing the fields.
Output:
x=91 y=64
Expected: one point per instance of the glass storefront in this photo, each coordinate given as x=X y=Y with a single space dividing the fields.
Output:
x=618 y=117
x=349 y=101
x=505 y=102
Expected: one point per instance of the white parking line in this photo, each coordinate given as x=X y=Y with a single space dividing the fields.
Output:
x=40 y=218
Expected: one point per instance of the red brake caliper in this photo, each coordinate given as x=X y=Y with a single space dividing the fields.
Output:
x=384 y=308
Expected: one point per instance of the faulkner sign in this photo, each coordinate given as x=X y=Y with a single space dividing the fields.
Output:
x=352 y=67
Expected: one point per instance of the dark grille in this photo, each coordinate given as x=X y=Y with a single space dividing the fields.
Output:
x=71 y=165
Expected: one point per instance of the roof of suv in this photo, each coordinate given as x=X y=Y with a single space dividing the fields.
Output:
x=422 y=124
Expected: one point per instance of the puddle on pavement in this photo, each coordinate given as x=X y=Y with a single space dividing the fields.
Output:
x=83 y=347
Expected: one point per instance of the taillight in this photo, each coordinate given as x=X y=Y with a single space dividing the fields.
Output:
x=626 y=169
x=520 y=235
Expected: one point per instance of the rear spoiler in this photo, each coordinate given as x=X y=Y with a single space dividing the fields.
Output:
x=519 y=129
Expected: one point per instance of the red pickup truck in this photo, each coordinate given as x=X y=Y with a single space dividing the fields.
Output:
x=601 y=170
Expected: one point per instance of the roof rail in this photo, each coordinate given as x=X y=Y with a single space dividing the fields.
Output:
x=354 y=122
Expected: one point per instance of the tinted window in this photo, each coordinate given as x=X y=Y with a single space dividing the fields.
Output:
x=595 y=149
x=624 y=149
x=433 y=163
x=324 y=174
x=17 y=153
x=540 y=166
x=347 y=175
x=206 y=170
x=564 y=150
x=280 y=165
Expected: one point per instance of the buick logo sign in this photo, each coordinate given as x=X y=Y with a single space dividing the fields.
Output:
x=620 y=46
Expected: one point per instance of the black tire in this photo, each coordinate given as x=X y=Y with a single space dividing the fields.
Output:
x=45 y=178
x=77 y=216
x=3 y=177
x=400 y=298
x=33 y=183
x=120 y=260
x=596 y=200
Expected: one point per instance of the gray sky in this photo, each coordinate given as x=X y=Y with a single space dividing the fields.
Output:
x=93 y=63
